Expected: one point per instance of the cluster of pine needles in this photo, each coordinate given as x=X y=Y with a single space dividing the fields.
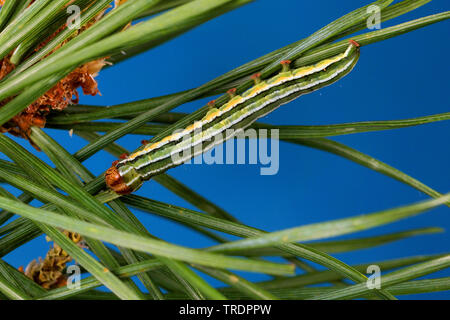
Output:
x=44 y=63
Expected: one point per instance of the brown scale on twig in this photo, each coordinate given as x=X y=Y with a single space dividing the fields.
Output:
x=65 y=92
x=49 y=272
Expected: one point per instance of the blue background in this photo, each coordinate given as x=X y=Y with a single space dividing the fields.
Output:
x=399 y=78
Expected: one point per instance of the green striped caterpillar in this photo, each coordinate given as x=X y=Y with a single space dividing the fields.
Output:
x=128 y=174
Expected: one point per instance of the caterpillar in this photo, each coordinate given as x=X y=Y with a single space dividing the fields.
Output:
x=127 y=175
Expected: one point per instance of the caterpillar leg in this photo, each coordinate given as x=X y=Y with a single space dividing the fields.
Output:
x=353 y=42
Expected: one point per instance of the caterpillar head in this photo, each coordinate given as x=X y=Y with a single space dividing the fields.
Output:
x=123 y=180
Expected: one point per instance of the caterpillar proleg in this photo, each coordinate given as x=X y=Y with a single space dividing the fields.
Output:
x=127 y=175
